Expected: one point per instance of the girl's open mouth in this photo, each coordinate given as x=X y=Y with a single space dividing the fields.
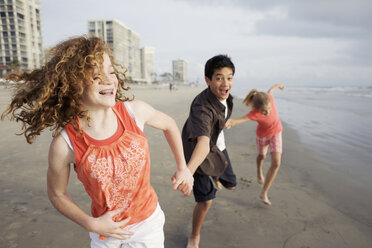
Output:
x=107 y=92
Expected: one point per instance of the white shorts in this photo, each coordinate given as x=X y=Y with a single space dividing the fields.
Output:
x=147 y=234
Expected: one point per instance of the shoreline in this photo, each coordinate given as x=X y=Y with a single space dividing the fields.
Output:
x=354 y=199
x=302 y=214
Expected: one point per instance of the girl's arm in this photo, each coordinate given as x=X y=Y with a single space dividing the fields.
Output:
x=273 y=88
x=145 y=114
x=60 y=158
x=231 y=122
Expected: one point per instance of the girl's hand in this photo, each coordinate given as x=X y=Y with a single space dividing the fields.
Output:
x=183 y=181
x=229 y=123
x=106 y=226
x=281 y=86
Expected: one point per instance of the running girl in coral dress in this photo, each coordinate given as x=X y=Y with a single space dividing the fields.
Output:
x=269 y=134
x=79 y=93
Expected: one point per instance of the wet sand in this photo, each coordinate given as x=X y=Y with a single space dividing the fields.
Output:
x=302 y=215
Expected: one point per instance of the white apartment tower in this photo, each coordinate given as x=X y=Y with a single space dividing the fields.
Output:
x=21 y=43
x=179 y=71
x=147 y=64
x=124 y=43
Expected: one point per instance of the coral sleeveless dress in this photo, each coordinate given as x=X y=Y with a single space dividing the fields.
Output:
x=116 y=172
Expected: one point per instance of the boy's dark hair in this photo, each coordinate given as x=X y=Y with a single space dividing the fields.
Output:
x=218 y=62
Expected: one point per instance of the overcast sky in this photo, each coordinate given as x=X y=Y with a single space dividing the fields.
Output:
x=298 y=42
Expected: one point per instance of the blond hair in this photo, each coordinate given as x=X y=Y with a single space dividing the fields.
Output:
x=256 y=99
x=50 y=97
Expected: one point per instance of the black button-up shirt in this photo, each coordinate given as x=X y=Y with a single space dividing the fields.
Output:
x=206 y=118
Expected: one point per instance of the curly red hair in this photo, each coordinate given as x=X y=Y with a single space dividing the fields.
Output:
x=50 y=97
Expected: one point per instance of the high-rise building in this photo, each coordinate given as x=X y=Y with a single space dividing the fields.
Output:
x=179 y=71
x=147 y=64
x=21 y=43
x=124 y=43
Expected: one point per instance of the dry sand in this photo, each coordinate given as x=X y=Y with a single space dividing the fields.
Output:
x=301 y=216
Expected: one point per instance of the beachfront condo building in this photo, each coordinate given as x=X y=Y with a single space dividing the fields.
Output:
x=179 y=71
x=124 y=44
x=147 y=64
x=21 y=43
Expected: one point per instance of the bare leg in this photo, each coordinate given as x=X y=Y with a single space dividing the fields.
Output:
x=270 y=176
x=260 y=177
x=200 y=211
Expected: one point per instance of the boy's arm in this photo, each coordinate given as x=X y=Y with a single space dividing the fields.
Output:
x=273 y=88
x=199 y=154
x=231 y=122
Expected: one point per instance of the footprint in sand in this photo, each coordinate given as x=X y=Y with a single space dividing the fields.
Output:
x=181 y=210
x=245 y=181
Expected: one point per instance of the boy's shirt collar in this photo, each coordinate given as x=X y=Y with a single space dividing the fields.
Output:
x=215 y=102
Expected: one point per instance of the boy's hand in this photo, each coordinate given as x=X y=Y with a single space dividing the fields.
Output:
x=281 y=86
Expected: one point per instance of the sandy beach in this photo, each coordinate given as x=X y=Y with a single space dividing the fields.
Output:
x=302 y=214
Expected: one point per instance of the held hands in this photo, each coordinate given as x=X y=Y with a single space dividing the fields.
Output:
x=106 y=226
x=183 y=181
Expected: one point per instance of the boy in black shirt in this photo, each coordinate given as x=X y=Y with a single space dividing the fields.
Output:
x=204 y=142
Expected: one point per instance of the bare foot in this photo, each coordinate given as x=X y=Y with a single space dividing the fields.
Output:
x=218 y=184
x=260 y=180
x=193 y=241
x=265 y=199
x=260 y=177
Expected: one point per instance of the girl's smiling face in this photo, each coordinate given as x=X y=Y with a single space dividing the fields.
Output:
x=101 y=88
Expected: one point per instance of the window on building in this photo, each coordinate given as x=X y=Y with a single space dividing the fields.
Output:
x=2 y=14
x=20 y=16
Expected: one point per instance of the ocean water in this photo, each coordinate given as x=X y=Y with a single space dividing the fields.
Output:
x=336 y=122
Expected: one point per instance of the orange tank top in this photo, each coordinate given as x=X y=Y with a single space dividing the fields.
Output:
x=116 y=172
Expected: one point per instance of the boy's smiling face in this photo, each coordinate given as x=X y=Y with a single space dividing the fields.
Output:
x=221 y=82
